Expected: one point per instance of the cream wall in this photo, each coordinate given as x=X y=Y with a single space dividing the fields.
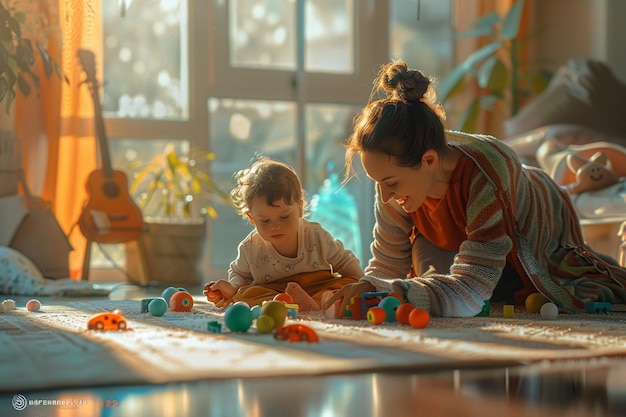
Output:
x=582 y=28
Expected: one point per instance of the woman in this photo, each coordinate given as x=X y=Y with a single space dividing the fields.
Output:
x=459 y=220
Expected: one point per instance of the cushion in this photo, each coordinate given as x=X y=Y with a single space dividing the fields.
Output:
x=18 y=274
x=583 y=92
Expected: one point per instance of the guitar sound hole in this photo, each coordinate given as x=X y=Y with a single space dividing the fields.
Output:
x=111 y=189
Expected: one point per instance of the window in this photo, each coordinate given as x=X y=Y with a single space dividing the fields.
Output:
x=283 y=78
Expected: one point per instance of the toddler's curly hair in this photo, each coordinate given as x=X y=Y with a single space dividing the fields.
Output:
x=267 y=178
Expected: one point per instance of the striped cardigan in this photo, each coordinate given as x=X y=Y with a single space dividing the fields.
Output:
x=516 y=211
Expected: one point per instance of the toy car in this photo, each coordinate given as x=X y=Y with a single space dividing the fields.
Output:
x=296 y=333
x=108 y=321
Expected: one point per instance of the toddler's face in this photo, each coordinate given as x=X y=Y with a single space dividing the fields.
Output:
x=277 y=224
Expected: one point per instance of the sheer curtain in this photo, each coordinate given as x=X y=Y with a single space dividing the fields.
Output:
x=56 y=125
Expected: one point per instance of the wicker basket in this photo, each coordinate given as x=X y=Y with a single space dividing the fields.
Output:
x=173 y=252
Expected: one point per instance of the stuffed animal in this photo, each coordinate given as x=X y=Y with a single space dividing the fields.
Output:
x=591 y=174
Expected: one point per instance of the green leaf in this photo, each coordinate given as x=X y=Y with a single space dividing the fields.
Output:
x=23 y=85
x=466 y=67
x=488 y=20
x=493 y=74
x=47 y=61
x=510 y=27
x=468 y=122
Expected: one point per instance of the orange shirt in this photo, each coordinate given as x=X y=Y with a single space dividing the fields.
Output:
x=442 y=221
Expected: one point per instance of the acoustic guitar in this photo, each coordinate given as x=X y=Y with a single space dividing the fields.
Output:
x=110 y=215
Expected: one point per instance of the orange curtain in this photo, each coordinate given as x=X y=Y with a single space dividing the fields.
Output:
x=82 y=28
x=56 y=127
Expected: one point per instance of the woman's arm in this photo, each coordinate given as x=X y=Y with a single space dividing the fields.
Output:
x=391 y=248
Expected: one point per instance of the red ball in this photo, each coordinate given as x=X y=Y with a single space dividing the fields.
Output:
x=181 y=301
x=402 y=313
x=419 y=318
x=284 y=297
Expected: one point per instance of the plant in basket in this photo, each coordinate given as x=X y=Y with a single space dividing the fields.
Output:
x=176 y=195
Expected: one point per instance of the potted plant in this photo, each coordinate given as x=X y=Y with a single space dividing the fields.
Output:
x=176 y=195
x=17 y=62
x=496 y=71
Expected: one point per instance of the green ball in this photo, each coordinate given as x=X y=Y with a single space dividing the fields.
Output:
x=238 y=317
x=390 y=305
x=157 y=307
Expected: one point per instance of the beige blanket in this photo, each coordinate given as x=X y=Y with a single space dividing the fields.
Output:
x=52 y=348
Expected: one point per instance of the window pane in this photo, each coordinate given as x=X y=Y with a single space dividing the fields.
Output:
x=145 y=50
x=331 y=204
x=329 y=36
x=425 y=44
x=262 y=33
x=239 y=130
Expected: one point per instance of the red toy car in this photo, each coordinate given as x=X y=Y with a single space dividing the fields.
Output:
x=296 y=333
x=108 y=321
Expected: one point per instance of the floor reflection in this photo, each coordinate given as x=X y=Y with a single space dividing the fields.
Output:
x=590 y=388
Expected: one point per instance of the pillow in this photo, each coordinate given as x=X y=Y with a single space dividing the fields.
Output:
x=583 y=92
x=18 y=274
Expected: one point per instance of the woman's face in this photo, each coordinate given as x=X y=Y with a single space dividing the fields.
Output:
x=408 y=186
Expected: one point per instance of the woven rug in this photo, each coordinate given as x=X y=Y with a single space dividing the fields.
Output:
x=52 y=348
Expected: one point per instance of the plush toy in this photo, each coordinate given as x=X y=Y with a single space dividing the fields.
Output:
x=592 y=174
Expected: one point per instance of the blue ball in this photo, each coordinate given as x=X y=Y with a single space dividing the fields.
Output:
x=158 y=306
x=238 y=317
x=390 y=305
x=256 y=311
x=168 y=292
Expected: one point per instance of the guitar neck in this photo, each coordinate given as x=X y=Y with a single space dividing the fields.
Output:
x=100 y=132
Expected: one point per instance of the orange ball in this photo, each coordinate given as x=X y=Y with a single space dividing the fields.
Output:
x=376 y=315
x=181 y=301
x=284 y=297
x=419 y=318
x=403 y=311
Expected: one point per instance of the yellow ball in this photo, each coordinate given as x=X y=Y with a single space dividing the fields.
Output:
x=277 y=310
x=534 y=302
x=265 y=323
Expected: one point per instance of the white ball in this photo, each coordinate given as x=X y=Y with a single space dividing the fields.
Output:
x=8 y=305
x=549 y=311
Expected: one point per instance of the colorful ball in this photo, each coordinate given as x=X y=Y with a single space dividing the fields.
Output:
x=419 y=318
x=181 y=301
x=8 y=305
x=256 y=311
x=33 y=305
x=403 y=311
x=276 y=309
x=390 y=305
x=549 y=311
x=376 y=315
x=168 y=292
x=157 y=307
x=284 y=297
x=238 y=317
x=534 y=302
x=265 y=323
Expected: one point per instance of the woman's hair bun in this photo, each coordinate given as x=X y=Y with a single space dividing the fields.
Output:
x=398 y=80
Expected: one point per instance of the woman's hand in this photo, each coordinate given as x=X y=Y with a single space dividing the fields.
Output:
x=346 y=293
x=226 y=292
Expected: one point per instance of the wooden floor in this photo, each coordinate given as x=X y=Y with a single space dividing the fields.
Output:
x=582 y=389
x=567 y=388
